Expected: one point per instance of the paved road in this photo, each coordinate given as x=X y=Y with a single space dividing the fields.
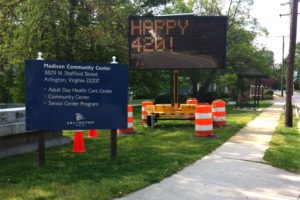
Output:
x=234 y=171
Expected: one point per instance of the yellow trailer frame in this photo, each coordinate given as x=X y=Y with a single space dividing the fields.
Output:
x=169 y=112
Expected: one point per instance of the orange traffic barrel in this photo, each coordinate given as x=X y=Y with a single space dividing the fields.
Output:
x=92 y=133
x=129 y=129
x=219 y=112
x=78 y=146
x=203 y=121
x=144 y=112
x=192 y=101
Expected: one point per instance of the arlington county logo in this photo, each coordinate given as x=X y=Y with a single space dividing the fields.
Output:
x=79 y=117
x=80 y=120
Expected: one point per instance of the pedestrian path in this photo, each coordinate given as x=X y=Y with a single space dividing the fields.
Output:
x=235 y=171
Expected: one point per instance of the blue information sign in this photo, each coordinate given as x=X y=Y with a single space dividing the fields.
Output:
x=72 y=95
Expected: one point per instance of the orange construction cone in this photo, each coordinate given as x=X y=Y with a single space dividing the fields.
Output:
x=78 y=146
x=92 y=133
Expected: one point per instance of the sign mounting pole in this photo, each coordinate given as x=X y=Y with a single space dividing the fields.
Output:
x=41 y=141
x=113 y=132
x=175 y=88
x=41 y=148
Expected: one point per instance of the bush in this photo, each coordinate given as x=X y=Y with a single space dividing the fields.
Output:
x=167 y=99
x=296 y=85
x=164 y=98
x=268 y=97
x=269 y=92
x=209 y=97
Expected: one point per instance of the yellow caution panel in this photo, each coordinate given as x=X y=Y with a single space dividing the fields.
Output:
x=168 y=109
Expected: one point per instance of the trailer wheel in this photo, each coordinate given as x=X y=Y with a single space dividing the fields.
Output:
x=150 y=121
x=156 y=118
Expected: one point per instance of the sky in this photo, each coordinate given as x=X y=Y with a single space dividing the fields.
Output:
x=267 y=13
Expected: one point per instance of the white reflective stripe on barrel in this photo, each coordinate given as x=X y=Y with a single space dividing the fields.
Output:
x=130 y=114
x=203 y=115
x=203 y=127
x=144 y=116
x=218 y=109
x=130 y=125
x=219 y=118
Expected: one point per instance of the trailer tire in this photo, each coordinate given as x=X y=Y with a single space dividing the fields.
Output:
x=150 y=121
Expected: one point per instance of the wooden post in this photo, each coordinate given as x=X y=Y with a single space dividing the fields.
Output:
x=41 y=149
x=41 y=141
x=237 y=92
x=175 y=88
x=260 y=92
x=282 y=67
x=172 y=87
x=113 y=132
x=113 y=144
x=255 y=93
x=291 y=61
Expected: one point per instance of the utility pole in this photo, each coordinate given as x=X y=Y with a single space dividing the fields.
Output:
x=282 y=66
x=291 y=61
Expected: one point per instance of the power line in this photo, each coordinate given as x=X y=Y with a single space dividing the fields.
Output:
x=281 y=15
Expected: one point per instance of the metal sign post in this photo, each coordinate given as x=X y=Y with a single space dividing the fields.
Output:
x=175 y=88
x=113 y=144
x=41 y=140
x=41 y=149
x=113 y=132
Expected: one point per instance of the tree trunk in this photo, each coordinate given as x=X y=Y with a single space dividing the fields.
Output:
x=194 y=87
x=72 y=29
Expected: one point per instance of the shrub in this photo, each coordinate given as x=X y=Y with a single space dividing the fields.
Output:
x=209 y=97
x=167 y=99
x=269 y=92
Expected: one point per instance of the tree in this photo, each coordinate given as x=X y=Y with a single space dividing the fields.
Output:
x=242 y=30
x=95 y=30
x=79 y=30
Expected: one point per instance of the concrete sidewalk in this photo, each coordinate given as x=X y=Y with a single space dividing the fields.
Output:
x=236 y=170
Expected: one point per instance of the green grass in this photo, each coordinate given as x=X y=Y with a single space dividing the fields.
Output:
x=284 y=150
x=264 y=104
x=144 y=158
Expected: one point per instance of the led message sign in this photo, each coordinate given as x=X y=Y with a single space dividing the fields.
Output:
x=176 y=42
